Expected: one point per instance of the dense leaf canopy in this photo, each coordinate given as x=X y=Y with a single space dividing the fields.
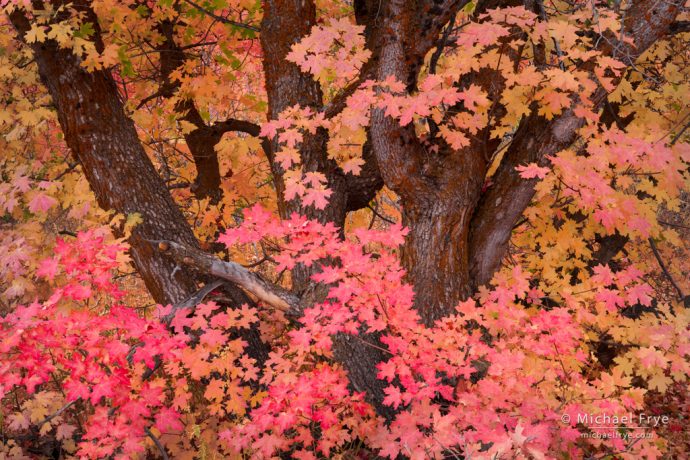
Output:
x=338 y=229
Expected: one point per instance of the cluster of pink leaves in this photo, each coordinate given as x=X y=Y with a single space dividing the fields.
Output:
x=309 y=187
x=333 y=53
x=493 y=379
x=618 y=175
x=13 y=193
x=553 y=88
x=96 y=359
x=499 y=373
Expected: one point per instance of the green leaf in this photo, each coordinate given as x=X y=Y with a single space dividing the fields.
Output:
x=85 y=30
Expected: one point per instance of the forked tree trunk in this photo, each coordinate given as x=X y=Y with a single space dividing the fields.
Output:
x=456 y=239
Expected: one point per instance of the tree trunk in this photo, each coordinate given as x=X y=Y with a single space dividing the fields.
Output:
x=105 y=142
x=435 y=256
x=284 y=23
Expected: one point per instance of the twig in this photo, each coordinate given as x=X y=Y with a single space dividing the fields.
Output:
x=158 y=444
x=66 y=171
x=379 y=215
x=671 y=224
x=222 y=19
x=441 y=44
x=178 y=185
x=664 y=269
x=680 y=133
x=60 y=411
x=193 y=300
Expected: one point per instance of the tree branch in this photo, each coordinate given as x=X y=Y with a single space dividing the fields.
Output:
x=232 y=124
x=57 y=413
x=655 y=250
x=266 y=292
x=221 y=18
x=158 y=444
x=193 y=300
x=680 y=27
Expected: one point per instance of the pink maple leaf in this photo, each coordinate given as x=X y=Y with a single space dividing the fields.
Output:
x=41 y=203
x=532 y=170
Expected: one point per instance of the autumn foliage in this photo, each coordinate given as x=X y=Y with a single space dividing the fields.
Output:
x=296 y=232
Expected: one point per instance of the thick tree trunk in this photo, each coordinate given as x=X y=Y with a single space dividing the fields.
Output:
x=284 y=23
x=435 y=256
x=504 y=202
x=438 y=192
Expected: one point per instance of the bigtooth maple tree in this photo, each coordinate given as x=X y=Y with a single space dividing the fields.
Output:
x=392 y=228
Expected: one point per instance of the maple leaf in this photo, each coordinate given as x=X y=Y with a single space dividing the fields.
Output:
x=168 y=420
x=36 y=34
x=41 y=203
x=393 y=396
x=353 y=166
x=532 y=170
x=386 y=371
x=48 y=268
x=301 y=338
x=455 y=138
x=65 y=431
x=318 y=197
x=213 y=337
x=659 y=382
x=287 y=157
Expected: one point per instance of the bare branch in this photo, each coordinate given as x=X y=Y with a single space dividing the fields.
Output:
x=221 y=18
x=267 y=292
x=655 y=250
x=680 y=133
x=193 y=300
x=158 y=444
x=57 y=413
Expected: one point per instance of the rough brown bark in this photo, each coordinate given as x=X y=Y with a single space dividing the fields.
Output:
x=438 y=192
x=105 y=142
x=284 y=23
x=504 y=202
